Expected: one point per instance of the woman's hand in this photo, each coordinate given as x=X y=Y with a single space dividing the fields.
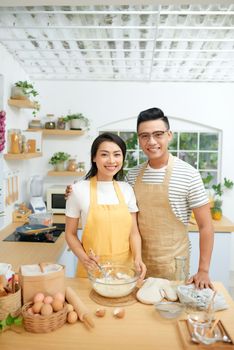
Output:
x=68 y=191
x=140 y=268
x=89 y=262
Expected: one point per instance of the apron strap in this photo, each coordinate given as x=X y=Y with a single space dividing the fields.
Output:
x=119 y=193
x=169 y=169
x=168 y=173
x=93 y=192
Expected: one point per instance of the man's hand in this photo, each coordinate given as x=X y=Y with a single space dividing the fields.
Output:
x=68 y=191
x=201 y=280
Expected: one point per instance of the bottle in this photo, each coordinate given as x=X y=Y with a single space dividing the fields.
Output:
x=180 y=269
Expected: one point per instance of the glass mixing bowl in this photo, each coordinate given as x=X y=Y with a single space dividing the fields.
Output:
x=113 y=280
x=169 y=309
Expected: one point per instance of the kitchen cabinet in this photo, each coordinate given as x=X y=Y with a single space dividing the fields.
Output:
x=69 y=260
x=221 y=256
x=22 y=103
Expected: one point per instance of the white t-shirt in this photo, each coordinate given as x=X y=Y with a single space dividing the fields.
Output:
x=77 y=205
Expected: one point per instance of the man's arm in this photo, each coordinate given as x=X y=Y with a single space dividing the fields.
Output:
x=206 y=241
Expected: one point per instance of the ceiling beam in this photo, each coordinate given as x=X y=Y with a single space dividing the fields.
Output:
x=105 y=2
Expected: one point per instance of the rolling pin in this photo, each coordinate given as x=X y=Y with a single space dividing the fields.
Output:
x=78 y=305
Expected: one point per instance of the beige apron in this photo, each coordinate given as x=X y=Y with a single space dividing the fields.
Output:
x=164 y=236
x=107 y=229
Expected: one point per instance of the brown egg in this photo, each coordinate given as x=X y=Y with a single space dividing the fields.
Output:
x=57 y=305
x=48 y=300
x=59 y=296
x=46 y=310
x=69 y=308
x=37 y=307
x=119 y=312
x=100 y=312
x=38 y=297
x=72 y=317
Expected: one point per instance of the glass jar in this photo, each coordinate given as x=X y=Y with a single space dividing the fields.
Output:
x=50 y=122
x=61 y=123
x=180 y=269
x=81 y=166
x=72 y=165
x=14 y=139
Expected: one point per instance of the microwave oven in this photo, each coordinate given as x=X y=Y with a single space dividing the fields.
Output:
x=55 y=199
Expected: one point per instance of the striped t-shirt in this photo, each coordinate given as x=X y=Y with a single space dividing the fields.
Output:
x=186 y=189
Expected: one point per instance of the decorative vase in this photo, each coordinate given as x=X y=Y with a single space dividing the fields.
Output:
x=18 y=94
x=77 y=124
x=59 y=166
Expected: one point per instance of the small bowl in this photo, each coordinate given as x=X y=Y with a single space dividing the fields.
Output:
x=113 y=280
x=169 y=309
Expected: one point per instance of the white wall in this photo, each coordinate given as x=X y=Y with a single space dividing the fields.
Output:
x=105 y=102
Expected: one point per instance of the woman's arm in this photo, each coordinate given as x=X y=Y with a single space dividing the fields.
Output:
x=75 y=244
x=135 y=244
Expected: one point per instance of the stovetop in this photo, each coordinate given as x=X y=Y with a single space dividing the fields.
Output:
x=49 y=237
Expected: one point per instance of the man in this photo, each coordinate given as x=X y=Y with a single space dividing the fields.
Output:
x=167 y=191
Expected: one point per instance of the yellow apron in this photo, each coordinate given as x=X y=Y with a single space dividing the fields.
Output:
x=164 y=236
x=107 y=229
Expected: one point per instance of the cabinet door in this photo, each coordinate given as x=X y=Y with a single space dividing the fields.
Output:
x=220 y=262
x=69 y=260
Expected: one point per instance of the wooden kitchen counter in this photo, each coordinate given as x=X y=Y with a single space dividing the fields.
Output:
x=20 y=253
x=223 y=225
x=141 y=329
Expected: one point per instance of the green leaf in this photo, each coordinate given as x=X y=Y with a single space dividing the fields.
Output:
x=18 y=321
x=9 y=320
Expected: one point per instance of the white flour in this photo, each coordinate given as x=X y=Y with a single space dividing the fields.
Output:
x=114 y=287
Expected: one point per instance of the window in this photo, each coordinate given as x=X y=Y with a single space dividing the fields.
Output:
x=200 y=149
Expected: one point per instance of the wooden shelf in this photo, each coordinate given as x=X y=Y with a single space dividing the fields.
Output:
x=22 y=156
x=58 y=132
x=21 y=103
x=66 y=173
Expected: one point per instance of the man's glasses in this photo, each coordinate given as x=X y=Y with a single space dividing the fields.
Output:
x=157 y=135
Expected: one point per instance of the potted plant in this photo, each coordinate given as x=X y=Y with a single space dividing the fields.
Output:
x=23 y=90
x=216 y=197
x=58 y=160
x=219 y=189
x=78 y=121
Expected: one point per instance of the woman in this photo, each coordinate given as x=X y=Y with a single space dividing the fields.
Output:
x=107 y=209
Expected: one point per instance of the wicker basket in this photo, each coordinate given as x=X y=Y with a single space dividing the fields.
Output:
x=10 y=304
x=43 y=324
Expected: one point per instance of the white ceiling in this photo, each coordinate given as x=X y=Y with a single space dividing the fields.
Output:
x=122 y=42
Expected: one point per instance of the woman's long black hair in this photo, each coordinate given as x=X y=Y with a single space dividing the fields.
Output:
x=106 y=136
